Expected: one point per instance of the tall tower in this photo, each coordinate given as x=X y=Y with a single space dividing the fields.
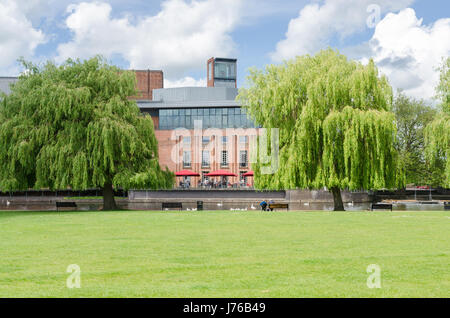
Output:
x=221 y=72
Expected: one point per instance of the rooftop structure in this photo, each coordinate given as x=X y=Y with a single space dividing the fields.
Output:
x=191 y=97
x=221 y=72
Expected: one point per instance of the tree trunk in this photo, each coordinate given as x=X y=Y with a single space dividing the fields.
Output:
x=108 y=197
x=338 y=204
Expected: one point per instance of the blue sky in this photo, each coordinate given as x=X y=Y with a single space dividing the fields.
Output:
x=407 y=39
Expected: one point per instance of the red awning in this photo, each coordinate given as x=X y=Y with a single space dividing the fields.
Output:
x=187 y=173
x=248 y=174
x=221 y=173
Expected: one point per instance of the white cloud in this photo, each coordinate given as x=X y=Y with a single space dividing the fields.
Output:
x=408 y=52
x=317 y=24
x=17 y=36
x=36 y=10
x=185 y=82
x=181 y=37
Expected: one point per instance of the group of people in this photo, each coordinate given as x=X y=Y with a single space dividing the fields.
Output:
x=220 y=184
x=186 y=184
x=212 y=184
x=265 y=206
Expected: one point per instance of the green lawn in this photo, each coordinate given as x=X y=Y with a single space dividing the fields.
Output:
x=224 y=254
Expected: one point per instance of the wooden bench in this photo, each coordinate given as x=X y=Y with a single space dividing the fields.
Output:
x=172 y=205
x=381 y=206
x=272 y=206
x=446 y=205
x=65 y=204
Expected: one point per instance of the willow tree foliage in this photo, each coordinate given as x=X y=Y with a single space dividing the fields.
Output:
x=412 y=117
x=335 y=125
x=437 y=134
x=74 y=126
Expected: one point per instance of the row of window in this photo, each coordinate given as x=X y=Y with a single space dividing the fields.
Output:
x=202 y=111
x=230 y=117
x=207 y=139
x=243 y=158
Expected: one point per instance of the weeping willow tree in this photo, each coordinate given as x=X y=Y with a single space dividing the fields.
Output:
x=74 y=126
x=335 y=125
x=437 y=133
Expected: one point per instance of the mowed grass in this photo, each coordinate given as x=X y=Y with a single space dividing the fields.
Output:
x=224 y=254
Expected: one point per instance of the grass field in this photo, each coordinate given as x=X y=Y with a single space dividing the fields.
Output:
x=224 y=254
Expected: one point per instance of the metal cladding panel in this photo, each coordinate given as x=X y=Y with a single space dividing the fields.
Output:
x=189 y=104
x=220 y=83
x=185 y=94
x=5 y=82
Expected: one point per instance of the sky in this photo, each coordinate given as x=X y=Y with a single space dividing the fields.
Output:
x=407 y=39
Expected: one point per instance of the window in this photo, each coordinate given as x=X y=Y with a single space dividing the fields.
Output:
x=186 y=159
x=205 y=158
x=243 y=139
x=186 y=141
x=211 y=118
x=224 y=139
x=225 y=70
x=243 y=158
x=224 y=158
x=224 y=121
x=205 y=140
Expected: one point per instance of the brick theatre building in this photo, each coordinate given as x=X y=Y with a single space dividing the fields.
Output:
x=202 y=129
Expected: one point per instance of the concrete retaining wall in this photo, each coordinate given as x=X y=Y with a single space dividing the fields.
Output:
x=234 y=199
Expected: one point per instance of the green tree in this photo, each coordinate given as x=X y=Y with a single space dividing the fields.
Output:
x=412 y=116
x=437 y=133
x=74 y=126
x=335 y=125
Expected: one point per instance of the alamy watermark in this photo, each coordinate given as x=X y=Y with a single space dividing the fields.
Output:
x=74 y=279
x=225 y=146
x=374 y=17
x=374 y=279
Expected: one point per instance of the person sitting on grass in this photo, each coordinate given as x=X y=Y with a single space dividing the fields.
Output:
x=263 y=205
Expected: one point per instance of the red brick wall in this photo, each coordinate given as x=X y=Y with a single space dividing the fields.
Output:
x=167 y=146
x=155 y=122
x=210 y=64
x=147 y=81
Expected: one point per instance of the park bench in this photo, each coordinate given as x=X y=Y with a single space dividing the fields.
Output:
x=278 y=206
x=65 y=204
x=381 y=206
x=446 y=205
x=172 y=205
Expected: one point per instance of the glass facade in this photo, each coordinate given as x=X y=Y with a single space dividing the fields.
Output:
x=225 y=70
x=229 y=117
